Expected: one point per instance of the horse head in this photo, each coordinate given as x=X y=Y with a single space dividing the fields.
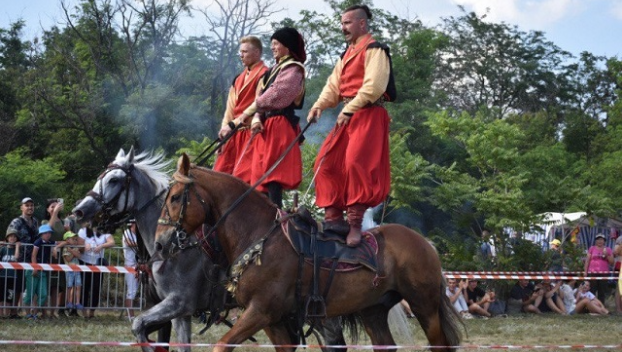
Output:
x=177 y=218
x=127 y=186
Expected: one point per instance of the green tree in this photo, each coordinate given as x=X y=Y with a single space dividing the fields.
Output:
x=14 y=63
x=488 y=184
x=22 y=177
x=496 y=65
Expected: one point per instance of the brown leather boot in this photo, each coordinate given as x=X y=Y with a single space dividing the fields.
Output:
x=355 y=215
x=333 y=221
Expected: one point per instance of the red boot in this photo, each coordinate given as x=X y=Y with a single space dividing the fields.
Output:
x=333 y=221
x=355 y=218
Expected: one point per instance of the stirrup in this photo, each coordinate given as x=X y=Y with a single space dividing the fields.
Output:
x=315 y=307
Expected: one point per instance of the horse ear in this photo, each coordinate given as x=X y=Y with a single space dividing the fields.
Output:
x=183 y=164
x=130 y=155
x=121 y=154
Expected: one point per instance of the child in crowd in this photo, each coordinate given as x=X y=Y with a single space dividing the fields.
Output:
x=71 y=255
x=9 y=252
x=37 y=280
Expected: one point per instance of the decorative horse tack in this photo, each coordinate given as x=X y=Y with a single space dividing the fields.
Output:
x=415 y=269
x=252 y=255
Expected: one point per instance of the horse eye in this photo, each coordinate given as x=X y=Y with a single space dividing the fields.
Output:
x=175 y=198
x=113 y=180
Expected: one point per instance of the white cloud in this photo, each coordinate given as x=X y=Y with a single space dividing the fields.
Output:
x=616 y=10
x=532 y=14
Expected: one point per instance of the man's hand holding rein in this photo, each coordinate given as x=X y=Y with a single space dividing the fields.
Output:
x=314 y=115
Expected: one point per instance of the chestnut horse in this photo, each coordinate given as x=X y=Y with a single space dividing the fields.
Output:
x=134 y=185
x=266 y=288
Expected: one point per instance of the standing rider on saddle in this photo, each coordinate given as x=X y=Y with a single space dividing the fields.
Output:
x=353 y=167
x=280 y=92
x=236 y=156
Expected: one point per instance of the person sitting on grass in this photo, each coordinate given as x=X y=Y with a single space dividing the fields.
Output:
x=456 y=293
x=567 y=294
x=527 y=297
x=594 y=305
x=478 y=300
x=551 y=302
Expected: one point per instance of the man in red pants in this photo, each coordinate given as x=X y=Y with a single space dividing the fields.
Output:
x=236 y=156
x=353 y=168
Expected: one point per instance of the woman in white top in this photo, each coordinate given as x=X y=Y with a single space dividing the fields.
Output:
x=94 y=245
x=594 y=305
x=568 y=294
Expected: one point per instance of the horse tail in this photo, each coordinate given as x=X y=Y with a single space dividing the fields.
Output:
x=351 y=324
x=332 y=330
x=449 y=318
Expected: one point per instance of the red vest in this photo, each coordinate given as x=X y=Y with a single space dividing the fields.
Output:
x=245 y=91
x=353 y=70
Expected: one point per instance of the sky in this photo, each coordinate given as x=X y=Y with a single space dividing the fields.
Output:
x=573 y=25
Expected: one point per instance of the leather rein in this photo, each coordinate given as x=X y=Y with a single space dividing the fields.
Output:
x=180 y=238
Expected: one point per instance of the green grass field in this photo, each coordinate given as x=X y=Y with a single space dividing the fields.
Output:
x=513 y=330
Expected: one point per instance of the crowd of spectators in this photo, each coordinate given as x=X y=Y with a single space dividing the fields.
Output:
x=37 y=294
x=63 y=241
x=544 y=296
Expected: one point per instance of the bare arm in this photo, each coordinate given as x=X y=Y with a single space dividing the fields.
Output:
x=109 y=243
x=610 y=258
x=33 y=259
x=18 y=246
x=587 y=263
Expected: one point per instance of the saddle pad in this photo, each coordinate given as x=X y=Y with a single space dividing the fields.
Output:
x=329 y=248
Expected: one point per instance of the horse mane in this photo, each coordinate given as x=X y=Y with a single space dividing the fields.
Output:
x=153 y=166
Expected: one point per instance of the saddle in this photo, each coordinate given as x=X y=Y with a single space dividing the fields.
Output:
x=323 y=250
x=308 y=239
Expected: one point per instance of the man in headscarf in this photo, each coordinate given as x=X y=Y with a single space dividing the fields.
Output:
x=280 y=92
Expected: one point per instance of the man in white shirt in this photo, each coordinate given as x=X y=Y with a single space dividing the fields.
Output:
x=456 y=294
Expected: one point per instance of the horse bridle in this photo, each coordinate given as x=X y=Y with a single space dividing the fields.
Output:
x=108 y=206
x=99 y=198
x=180 y=238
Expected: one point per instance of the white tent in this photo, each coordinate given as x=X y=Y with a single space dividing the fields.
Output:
x=542 y=234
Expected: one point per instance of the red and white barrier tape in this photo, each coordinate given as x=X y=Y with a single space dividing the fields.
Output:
x=356 y=347
x=529 y=272
x=541 y=276
x=479 y=275
x=65 y=267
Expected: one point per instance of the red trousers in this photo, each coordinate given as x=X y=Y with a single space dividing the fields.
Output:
x=236 y=156
x=277 y=135
x=353 y=162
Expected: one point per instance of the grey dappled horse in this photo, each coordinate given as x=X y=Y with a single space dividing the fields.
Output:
x=136 y=185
